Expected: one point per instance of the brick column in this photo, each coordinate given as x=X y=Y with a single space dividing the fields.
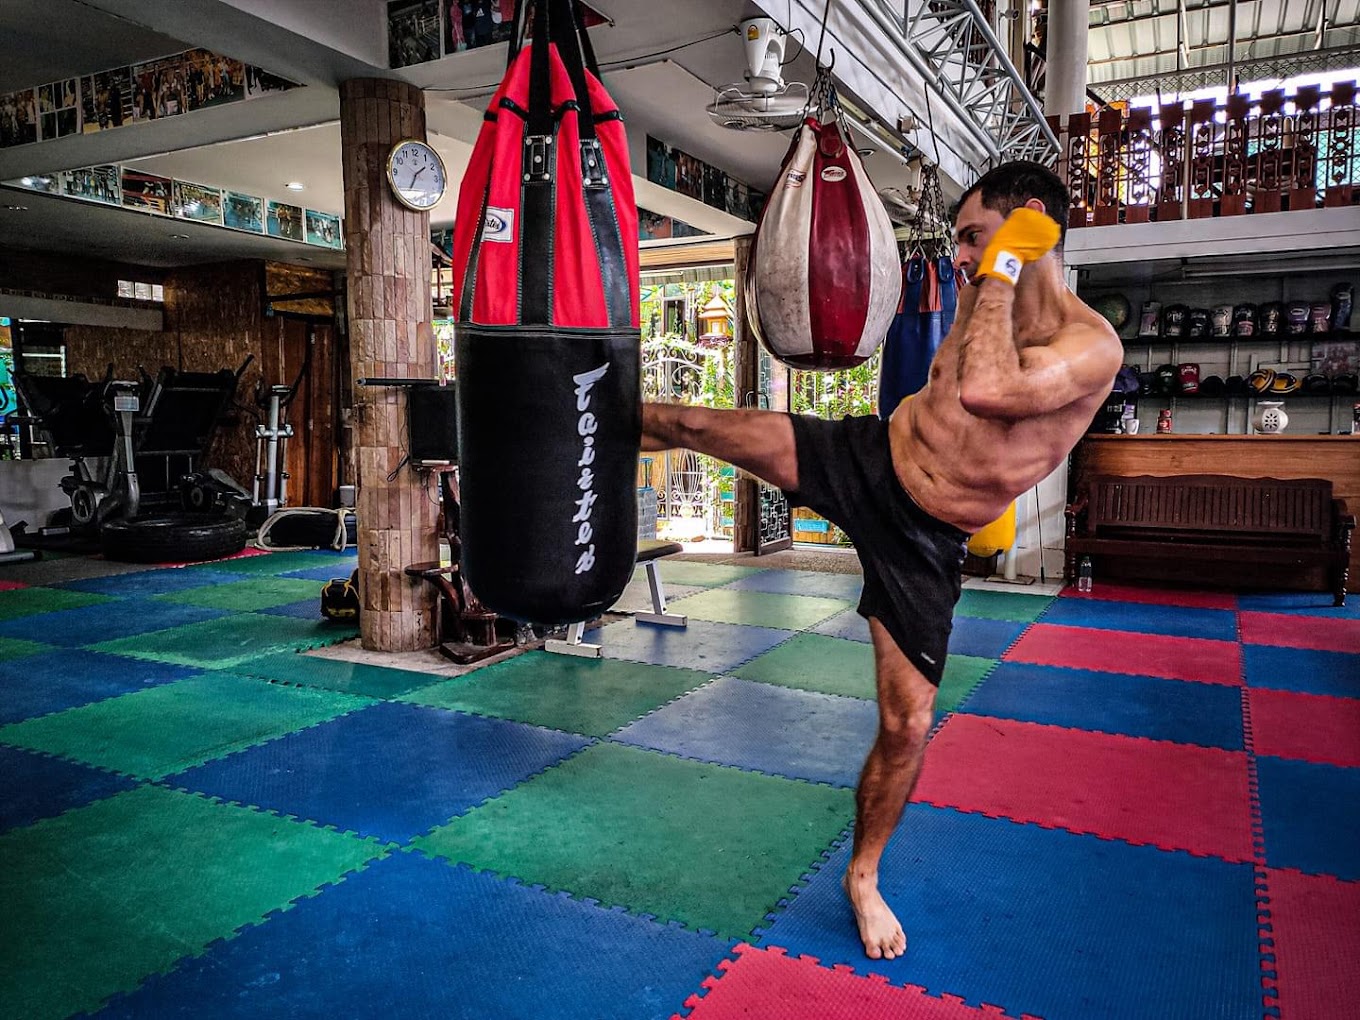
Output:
x=388 y=264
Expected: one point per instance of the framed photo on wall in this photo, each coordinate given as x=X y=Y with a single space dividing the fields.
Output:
x=412 y=32
x=323 y=229
x=105 y=100
x=146 y=191
x=284 y=221
x=243 y=212
x=93 y=184
x=18 y=118
x=197 y=202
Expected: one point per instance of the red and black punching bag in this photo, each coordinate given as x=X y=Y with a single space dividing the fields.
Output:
x=547 y=345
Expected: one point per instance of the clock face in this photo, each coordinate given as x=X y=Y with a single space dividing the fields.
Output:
x=416 y=174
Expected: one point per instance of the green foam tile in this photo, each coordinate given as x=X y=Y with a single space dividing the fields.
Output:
x=699 y=575
x=155 y=732
x=1002 y=605
x=708 y=845
x=590 y=696
x=758 y=608
x=334 y=674
x=99 y=897
x=17 y=648
x=278 y=563
x=243 y=596
x=816 y=662
x=222 y=643
x=19 y=602
x=962 y=673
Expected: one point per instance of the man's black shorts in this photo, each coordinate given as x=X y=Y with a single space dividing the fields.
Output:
x=912 y=561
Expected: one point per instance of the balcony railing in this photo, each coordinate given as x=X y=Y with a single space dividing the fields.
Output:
x=1200 y=159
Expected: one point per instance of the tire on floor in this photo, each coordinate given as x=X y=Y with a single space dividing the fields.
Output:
x=172 y=538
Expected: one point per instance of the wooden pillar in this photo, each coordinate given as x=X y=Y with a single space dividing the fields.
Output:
x=746 y=367
x=388 y=287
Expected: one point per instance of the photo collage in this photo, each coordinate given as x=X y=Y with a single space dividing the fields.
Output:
x=688 y=175
x=166 y=87
x=132 y=188
x=419 y=31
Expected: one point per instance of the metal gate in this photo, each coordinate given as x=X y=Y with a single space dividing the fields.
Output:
x=776 y=532
x=687 y=483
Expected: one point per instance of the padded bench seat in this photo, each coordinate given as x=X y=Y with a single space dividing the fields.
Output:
x=1217 y=529
x=650 y=550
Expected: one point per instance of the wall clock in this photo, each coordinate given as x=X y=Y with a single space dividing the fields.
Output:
x=416 y=175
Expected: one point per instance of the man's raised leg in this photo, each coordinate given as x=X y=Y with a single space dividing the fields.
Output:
x=759 y=442
x=906 y=702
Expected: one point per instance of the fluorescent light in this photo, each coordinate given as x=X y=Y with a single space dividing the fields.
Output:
x=294 y=186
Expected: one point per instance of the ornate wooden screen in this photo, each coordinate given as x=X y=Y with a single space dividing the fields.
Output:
x=1188 y=160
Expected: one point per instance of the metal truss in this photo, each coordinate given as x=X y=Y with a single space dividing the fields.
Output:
x=1283 y=65
x=967 y=66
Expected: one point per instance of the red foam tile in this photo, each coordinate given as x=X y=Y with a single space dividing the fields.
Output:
x=1118 y=651
x=1321 y=633
x=11 y=585
x=1315 y=924
x=766 y=983
x=1309 y=727
x=1155 y=596
x=1173 y=796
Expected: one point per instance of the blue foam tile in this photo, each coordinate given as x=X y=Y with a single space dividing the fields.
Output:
x=1301 y=603
x=414 y=937
x=1209 y=715
x=1303 y=670
x=38 y=684
x=107 y=621
x=1311 y=816
x=307 y=609
x=146 y=583
x=34 y=786
x=845 y=587
x=1048 y=922
x=391 y=770
x=987 y=639
x=1144 y=618
x=711 y=647
x=324 y=573
x=799 y=734
x=849 y=625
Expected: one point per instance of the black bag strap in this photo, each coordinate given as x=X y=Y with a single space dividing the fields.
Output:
x=565 y=18
x=540 y=91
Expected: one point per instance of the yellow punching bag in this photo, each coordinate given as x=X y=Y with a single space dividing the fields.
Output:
x=995 y=537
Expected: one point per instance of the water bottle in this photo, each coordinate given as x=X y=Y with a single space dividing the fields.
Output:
x=1084 y=573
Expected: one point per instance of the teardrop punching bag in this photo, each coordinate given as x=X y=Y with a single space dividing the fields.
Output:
x=930 y=295
x=547 y=345
x=823 y=278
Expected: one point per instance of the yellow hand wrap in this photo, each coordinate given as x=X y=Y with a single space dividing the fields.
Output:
x=1025 y=236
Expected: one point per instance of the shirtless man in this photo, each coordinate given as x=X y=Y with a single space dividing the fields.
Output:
x=1011 y=390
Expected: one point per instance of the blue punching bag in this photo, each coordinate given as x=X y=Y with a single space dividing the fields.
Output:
x=929 y=299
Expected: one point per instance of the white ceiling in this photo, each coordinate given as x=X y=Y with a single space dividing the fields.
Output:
x=258 y=145
x=662 y=62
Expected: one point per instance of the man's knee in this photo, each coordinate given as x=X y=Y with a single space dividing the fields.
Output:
x=902 y=735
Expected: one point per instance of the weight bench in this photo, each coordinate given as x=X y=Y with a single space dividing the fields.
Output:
x=649 y=552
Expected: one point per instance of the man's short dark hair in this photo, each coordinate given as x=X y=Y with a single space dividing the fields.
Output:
x=1011 y=185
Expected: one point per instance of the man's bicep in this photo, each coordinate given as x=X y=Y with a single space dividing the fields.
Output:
x=1076 y=364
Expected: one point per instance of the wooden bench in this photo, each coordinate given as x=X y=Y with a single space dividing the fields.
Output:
x=1215 y=529
x=650 y=550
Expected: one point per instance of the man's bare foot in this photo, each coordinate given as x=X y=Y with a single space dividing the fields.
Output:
x=879 y=930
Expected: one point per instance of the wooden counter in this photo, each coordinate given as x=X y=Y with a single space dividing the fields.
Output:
x=1286 y=456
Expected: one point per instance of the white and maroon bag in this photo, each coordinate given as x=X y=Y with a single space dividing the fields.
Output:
x=824 y=276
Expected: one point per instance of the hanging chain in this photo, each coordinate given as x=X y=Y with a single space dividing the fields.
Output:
x=930 y=231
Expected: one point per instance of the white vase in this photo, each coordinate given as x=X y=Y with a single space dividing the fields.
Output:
x=1270 y=418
